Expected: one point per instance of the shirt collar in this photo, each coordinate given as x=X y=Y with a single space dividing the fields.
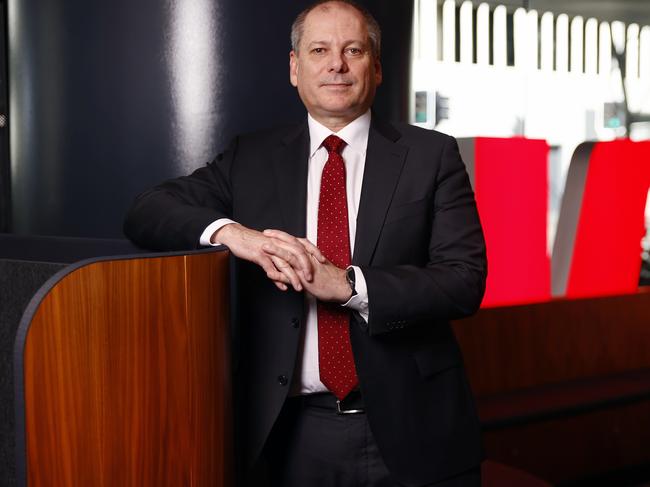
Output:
x=355 y=134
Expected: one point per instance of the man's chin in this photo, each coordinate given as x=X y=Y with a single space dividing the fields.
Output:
x=342 y=112
x=340 y=105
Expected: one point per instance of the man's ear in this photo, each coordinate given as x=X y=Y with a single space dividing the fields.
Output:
x=293 y=68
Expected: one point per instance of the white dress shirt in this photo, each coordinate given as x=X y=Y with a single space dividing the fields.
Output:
x=355 y=135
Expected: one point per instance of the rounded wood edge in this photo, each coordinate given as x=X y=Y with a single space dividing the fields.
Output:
x=22 y=332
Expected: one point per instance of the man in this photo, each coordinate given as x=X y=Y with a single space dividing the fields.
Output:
x=356 y=243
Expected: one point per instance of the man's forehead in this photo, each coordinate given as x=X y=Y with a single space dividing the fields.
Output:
x=347 y=16
x=345 y=12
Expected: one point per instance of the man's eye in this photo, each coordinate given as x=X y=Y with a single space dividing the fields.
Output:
x=318 y=50
x=354 y=51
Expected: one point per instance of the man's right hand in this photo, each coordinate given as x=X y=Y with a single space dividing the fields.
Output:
x=247 y=244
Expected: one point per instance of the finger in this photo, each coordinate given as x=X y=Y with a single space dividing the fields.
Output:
x=293 y=254
x=313 y=250
x=288 y=271
x=294 y=241
x=279 y=279
x=272 y=272
x=279 y=234
x=309 y=247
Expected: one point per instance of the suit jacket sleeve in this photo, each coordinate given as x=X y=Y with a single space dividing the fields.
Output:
x=174 y=214
x=452 y=282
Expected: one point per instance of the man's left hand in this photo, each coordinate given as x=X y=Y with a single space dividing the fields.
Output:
x=328 y=283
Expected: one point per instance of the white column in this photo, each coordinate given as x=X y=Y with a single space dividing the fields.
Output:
x=499 y=39
x=618 y=36
x=604 y=50
x=591 y=46
x=562 y=43
x=525 y=38
x=466 y=33
x=632 y=52
x=547 y=42
x=428 y=30
x=577 y=43
x=449 y=31
x=533 y=38
x=644 y=55
x=522 y=56
x=483 y=34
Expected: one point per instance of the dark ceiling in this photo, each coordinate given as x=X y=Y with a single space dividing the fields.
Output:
x=628 y=11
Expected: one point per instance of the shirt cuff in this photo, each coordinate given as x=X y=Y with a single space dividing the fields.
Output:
x=210 y=229
x=359 y=302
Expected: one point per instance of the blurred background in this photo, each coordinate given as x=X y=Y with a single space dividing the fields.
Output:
x=566 y=72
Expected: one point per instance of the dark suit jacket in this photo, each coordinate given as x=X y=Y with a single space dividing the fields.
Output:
x=420 y=246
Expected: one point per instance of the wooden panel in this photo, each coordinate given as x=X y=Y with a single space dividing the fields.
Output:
x=569 y=449
x=125 y=371
x=517 y=347
x=554 y=358
x=211 y=346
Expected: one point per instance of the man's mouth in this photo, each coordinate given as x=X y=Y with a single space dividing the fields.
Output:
x=337 y=84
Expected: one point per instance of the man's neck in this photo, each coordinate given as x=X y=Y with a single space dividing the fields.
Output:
x=335 y=123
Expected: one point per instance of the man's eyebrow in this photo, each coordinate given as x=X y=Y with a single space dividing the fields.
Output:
x=313 y=43
x=345 y=43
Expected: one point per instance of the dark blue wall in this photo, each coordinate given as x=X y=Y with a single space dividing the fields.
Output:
x=108 y=98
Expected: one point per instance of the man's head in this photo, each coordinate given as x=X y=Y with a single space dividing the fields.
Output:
x=334 y=61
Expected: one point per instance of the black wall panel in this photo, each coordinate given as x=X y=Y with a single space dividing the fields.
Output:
x=108 y=98
x=5 y=174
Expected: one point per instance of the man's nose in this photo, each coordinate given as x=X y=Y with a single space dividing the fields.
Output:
x=338 y=63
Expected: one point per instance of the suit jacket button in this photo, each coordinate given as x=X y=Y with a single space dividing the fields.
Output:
x=295 y=322
x=282 y=380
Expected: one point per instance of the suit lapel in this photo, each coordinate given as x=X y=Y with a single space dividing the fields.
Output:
x=384 y=162
x=289 y=161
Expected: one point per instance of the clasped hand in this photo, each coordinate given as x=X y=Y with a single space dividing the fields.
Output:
x=287 y=261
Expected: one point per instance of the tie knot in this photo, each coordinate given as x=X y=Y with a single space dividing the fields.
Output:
x=334 y=144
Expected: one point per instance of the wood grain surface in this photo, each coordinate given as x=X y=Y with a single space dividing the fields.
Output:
x=522 y=359
x=517 y=347
x=127 y=379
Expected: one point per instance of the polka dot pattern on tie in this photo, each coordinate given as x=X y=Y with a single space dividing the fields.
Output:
x=336 y=363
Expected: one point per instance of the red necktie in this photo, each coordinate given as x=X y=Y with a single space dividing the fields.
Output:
x=335 y=360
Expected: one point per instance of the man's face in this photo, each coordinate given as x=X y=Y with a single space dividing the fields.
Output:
x=334 y=69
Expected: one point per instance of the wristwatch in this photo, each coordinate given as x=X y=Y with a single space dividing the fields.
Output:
x=351 y=278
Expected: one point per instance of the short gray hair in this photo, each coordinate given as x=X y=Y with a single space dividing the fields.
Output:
x=374 y=31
